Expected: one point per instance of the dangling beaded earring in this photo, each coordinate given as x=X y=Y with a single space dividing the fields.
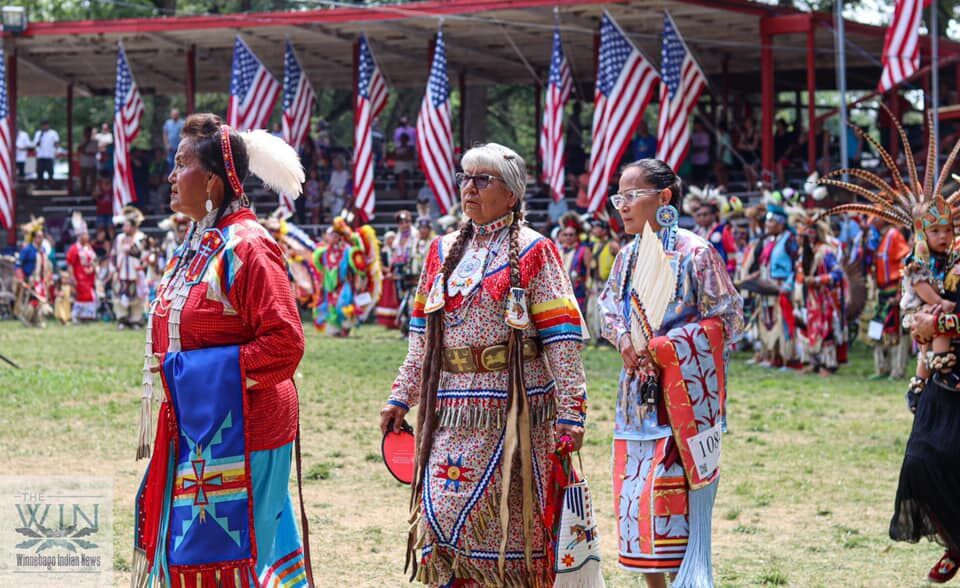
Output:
x=208 y=204
x=667 y=218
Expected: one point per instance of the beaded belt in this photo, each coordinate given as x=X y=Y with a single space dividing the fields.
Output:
x=464 y=360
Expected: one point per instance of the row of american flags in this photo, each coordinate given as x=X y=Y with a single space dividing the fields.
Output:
x=625 y=83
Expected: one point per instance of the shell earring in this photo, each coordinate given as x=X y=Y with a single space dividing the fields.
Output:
x=208 y=204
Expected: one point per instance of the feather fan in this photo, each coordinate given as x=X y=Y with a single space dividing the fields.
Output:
x=652 y=287
x=275 y=162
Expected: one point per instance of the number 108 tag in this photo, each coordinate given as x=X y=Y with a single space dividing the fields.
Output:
x=705 y=449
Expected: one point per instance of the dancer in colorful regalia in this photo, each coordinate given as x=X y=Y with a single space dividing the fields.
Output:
x=776 y=326
x=341 y=261
x=214 y=509
x=82 y=261
x=821 y=293
x=926 y=504
x=709 y=207
x=670 y=292
x=131 y=291
x=577 y=257
x=494 y=363
x=298 y=250
x=33 y=276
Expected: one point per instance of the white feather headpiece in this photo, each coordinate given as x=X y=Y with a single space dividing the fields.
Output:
x=274 y=161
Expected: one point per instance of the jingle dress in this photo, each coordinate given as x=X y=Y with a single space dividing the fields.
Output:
x=459 y=530
x=214 y=508
x=650 y=486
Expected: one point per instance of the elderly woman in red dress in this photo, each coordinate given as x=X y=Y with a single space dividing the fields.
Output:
x=214 y=508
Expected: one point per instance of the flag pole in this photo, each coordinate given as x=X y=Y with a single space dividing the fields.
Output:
x=935 y=82
x=840 y=41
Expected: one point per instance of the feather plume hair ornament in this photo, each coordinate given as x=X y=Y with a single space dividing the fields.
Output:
x=909 y=203
x=274 y=161
x=651 y=290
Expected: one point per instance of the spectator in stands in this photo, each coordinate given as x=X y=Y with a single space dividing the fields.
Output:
x=313 y=195
x=404 y=163
x=699 y=154
x=101 y=242
x=103 y=194
x=105 y=148
x=644 y=145
x=24 y=144
x=159 y=186
x=335 y=196
x=87 y=158
x=323 y=141
x=573 y=149
x=404 y=128
x=47 y=140
x=140 y=169
x=748 y=140
x=378 y=144
x=784 y=144
x=171 y=136
x=277 y=130
x=583 y=199
x=427 y=205
x=724 y=155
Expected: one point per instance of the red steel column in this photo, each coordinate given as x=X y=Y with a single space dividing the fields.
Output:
x=191 y=81
x=767 y=92
x=811 y=97
x=537 y=121
x=70 y=169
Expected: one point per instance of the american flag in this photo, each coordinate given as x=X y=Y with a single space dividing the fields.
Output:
x=625 y=82
x=681 y=85
x=253 y=90
x=298 y=101
x=6 y=168
x=435 y=131
x=901 y=45
x=127 y=112
x=551 y=133
x=371 y=98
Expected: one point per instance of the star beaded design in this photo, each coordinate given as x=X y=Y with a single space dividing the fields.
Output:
x=615 y=50
x=453 y=472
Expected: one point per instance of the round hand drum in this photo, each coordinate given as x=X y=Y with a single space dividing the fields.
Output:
x=398 y=450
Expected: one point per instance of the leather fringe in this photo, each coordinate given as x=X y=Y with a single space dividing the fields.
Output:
x=235 y=577
x=436 y=571
x=146 y=426
x=139 y=569
x=478 y=416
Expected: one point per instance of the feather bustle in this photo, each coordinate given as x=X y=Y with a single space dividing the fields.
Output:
x=908 y=154
x=888 y=193
x=928 y=194
x=898 y=184
x=887 y=215
x=861 y=191
x=947 y=166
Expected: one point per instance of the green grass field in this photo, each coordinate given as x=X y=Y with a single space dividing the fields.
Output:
x=809 y=467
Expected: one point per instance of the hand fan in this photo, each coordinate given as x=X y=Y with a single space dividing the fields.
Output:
x=398 y=450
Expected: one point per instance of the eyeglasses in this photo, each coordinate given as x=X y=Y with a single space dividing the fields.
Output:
x=480 y=181
x=629 y=197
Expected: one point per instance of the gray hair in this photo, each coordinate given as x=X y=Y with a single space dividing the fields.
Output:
x=503 y=161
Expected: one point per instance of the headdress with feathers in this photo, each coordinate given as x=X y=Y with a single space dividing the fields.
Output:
x=725 y=205
x=904 y=201
x=32 y=228
x=274 y=161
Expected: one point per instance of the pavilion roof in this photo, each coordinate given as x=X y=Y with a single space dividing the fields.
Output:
x=489 y=41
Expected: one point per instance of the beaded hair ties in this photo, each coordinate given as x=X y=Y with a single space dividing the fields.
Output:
x=229 y=165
